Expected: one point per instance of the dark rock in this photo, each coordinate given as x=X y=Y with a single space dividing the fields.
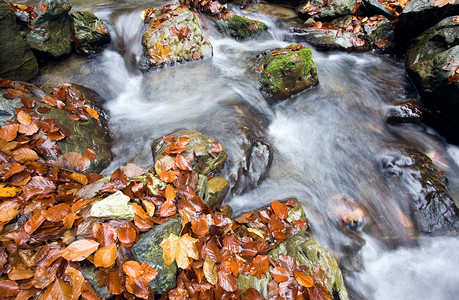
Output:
x=373 y=7
x=430 y=60
x=215 y=191
x=181 y=32
x=382 y=34
x=242 y=28
x=200 y=145
x=433 y=208
x=148 y=251
x=16 y=59
x=407 y=112
x=288 y=73
x=249 y=151
x=90 y=35
x=419 y=15
x=51 y=31
x=331 y=10
x=90 y=274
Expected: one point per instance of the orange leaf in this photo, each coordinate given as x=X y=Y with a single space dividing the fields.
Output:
x=168 y=209
x=183 y=141
x=150 y=207
x=182 y=163
x=70 y=219
x=9 y=132
x=49 y=100
x=261 y=68
x=8 y=192
x=33 y=223
x=24 y=118
x=80 y=178
x=227 y=281
x=200 y=226
x=300 y=224
x=92 y=112
x=169 y=176
x=170 y=192
x=57 y=212
x=79 y=250
x=303 y=279
x=216 y=147
x=76 y=281
x=114 y=283
x=127 y=235
x=16 y=274
x=280 y=209
x=168 y=138
x=138 y=210
x=24 y=154
x=7 y=214
x=44 y=7
x=105 y=257
x=279 y=274
x=83 y=164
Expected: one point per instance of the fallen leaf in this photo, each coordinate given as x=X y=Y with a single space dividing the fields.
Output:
x=200 y=226
x=92 y=112
x=80 y=178
x=9 y=132
x=252 y=294
x=23 y=118
x=105 y=257
x=168 y=209
x=8 y=192
x=44 y=7
x=80 y=250
x=33 y=223
x=280 y=274
x=179 y=249
x=441 y=3
x=227 y=281
x=280 y=209
x=303 y=279
x=76 y=281
x=24 y=154
x=210 y=271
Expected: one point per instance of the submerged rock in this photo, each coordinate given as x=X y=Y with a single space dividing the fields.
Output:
x=288 y=73
x=89 y=33
x=16 y=59
x=242 y=28
x=407 y=112
x=201 y=145
x=433 y=208
x=432 y=62
x=174 y=35
x=51 y=31
x=148 y=251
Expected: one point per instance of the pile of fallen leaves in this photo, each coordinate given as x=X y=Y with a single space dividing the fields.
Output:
x=47 y=234
x=210 y=7
x=28 y=13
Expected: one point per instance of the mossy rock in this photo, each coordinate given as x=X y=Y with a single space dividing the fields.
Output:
x=148 y=251
x=90 y=35
x=201 y=145
x=288 y=73
x=216 y=190
x=242 y=28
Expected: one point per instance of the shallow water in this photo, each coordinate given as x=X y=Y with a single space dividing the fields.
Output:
x=327 y=141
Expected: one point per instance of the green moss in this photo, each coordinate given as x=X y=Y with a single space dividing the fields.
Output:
x=242 y=28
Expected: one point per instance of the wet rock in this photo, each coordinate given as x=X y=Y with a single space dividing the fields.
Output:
x=433 y=208
x=90 y=35
x=407 y=112
x=329 y=39
x=242 y=28
x=331 y=10
x=148 y=251
x=342 y=22
x=201 y=145
x=215 y=192
x=288 y=73
x=373 y=7
x=92 y=133
x=115 y=206
x=420 y=15
x=90 y=274
x=309 y=23
x=174 y=35
x=16 y=59
x=51 y=31
x=382 y=35
x=277 y=10
x=249 y=151
x=431 y=62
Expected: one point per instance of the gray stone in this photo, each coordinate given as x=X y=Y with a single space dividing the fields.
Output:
x=406 y=112
x=419 y=15
x=383 y=32
x=162 y=46
x=89 y=273
x=51 y=31
x=16 y=59
x=90 y=34
x=200 y=145
x=288 y=73
x=148 y=251
x=115 y=206
x=427 y=61
x=216 y=190
x=331 y=10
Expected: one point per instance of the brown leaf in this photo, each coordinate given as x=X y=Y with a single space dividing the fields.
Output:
x=90 y=153
x=24 y=154
x=216 y=147
x=280 y=209
x=127 y=235
x=105 y=257
x=182 y=163
x=138 y=210
x=303 y=279
x=16 y=274
x=33 y=223
x=227 y=281
x=49 y=100
x=300 y=224
x=80 y=178
x=260 y=265
x=9 y=288
x=319 y=292
x=114 y=283
x=168 y=209
x=92 y=112
x=9 y=132
x=170 y=192
x=168 y=138
x=252 y=294
x=200 y=226
x=210 y=271
x=7 y=214
x=80 y=250
x=260 y=68
x=57 y=212
x=23 y=118
x=69 y=220
x=76 y=281
x=83 y=164
x=44 y=7
x=279 y=274
x=169 y=176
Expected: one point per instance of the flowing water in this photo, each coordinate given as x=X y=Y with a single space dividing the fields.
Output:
x=327 y=141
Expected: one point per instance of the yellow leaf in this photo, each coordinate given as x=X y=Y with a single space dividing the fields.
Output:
x=170 y=247
x=210 y=271
x=8 y=214
x=179 y=249
x=256 y=231
x=8 y=192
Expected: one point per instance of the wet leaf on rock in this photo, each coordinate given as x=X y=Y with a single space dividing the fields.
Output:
x=80 y=250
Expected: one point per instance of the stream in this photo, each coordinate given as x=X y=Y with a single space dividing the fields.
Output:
x=327 y=141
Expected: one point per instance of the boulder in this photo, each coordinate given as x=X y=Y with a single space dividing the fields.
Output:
x=407 y=112
x=51 y=31
x=287 y=73
x=433 y=208
x=92 y=133
x=16 y=59
x=115 y=206
x=431 y=62
x=381 y=35
x=215 y=191
x=420 y=15
x=201 y=145
x=331 y=10
x=242 y=28
x=147 y=250
x=90 y=35
x=174 y=35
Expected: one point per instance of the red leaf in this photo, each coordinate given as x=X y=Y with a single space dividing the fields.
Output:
x=252 y=294
x=90 y=153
